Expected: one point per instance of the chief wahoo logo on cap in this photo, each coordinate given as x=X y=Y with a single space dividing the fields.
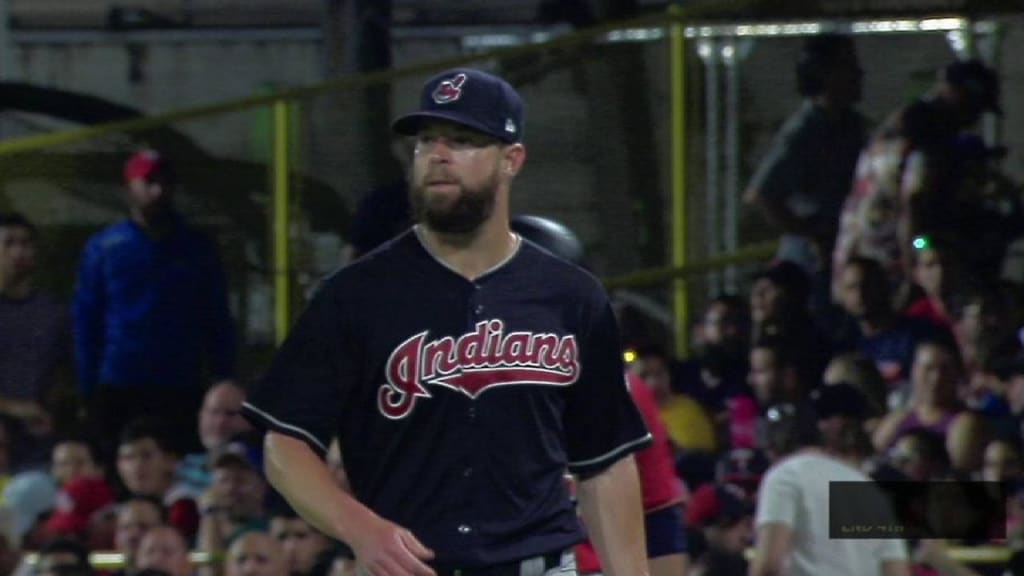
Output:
x=449 y=90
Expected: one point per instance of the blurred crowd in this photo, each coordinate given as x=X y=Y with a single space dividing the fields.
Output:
x=887 y=333
x=121 y=425
x=891 y=304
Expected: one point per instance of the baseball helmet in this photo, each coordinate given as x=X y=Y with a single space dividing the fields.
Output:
x=550 y=235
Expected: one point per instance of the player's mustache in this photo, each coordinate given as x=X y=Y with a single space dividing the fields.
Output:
x=439 y=177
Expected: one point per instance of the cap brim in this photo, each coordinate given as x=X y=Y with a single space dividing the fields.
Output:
x=409 y=125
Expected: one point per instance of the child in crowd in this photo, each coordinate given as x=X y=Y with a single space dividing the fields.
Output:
x=146 y=462
x=74 y=457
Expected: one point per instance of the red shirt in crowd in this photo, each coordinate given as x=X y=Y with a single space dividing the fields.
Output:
x=660 y=487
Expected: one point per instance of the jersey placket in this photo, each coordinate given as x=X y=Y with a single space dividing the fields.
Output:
x=470 y=462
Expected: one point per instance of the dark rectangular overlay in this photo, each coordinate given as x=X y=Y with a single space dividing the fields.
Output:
x=954 y=510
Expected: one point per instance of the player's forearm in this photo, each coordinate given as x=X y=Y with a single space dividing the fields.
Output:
x=613 y=512
x=305 y=481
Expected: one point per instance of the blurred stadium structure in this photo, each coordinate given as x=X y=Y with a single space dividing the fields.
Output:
x=610 y=153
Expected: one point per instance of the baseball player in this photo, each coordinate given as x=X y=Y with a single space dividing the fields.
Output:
x=463 y=370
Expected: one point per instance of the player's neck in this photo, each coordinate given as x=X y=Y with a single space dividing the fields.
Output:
x=470 y=255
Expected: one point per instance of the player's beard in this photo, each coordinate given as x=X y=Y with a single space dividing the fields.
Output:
x=472 y=207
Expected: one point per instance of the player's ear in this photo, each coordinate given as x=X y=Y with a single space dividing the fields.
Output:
x=514 y=158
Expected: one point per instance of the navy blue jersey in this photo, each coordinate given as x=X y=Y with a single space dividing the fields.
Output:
x=459 y=404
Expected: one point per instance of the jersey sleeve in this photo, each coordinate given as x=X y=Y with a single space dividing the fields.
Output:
x=301 y=393
x=602 y=424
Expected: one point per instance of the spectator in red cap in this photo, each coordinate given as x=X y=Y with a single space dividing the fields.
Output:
x=151 y=318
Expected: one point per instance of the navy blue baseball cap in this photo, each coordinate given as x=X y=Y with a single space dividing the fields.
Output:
x=469 y=97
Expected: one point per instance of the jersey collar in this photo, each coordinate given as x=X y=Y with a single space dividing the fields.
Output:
x=418 y=232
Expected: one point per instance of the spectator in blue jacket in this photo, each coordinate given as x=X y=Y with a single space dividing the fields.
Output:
x=151 y=317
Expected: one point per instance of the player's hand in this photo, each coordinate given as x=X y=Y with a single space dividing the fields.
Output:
x=386 y=549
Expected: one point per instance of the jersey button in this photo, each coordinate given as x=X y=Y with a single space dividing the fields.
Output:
x=464 y=529
x=479 y=309
x=467 y=472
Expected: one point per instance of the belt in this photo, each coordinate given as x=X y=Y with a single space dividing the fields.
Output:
x=534 y=566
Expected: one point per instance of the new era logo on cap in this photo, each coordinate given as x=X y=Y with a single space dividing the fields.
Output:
x=472 y=98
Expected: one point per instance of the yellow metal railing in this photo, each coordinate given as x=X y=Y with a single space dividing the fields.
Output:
x=677 y=65
x=282 y=251
x=659 y=276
